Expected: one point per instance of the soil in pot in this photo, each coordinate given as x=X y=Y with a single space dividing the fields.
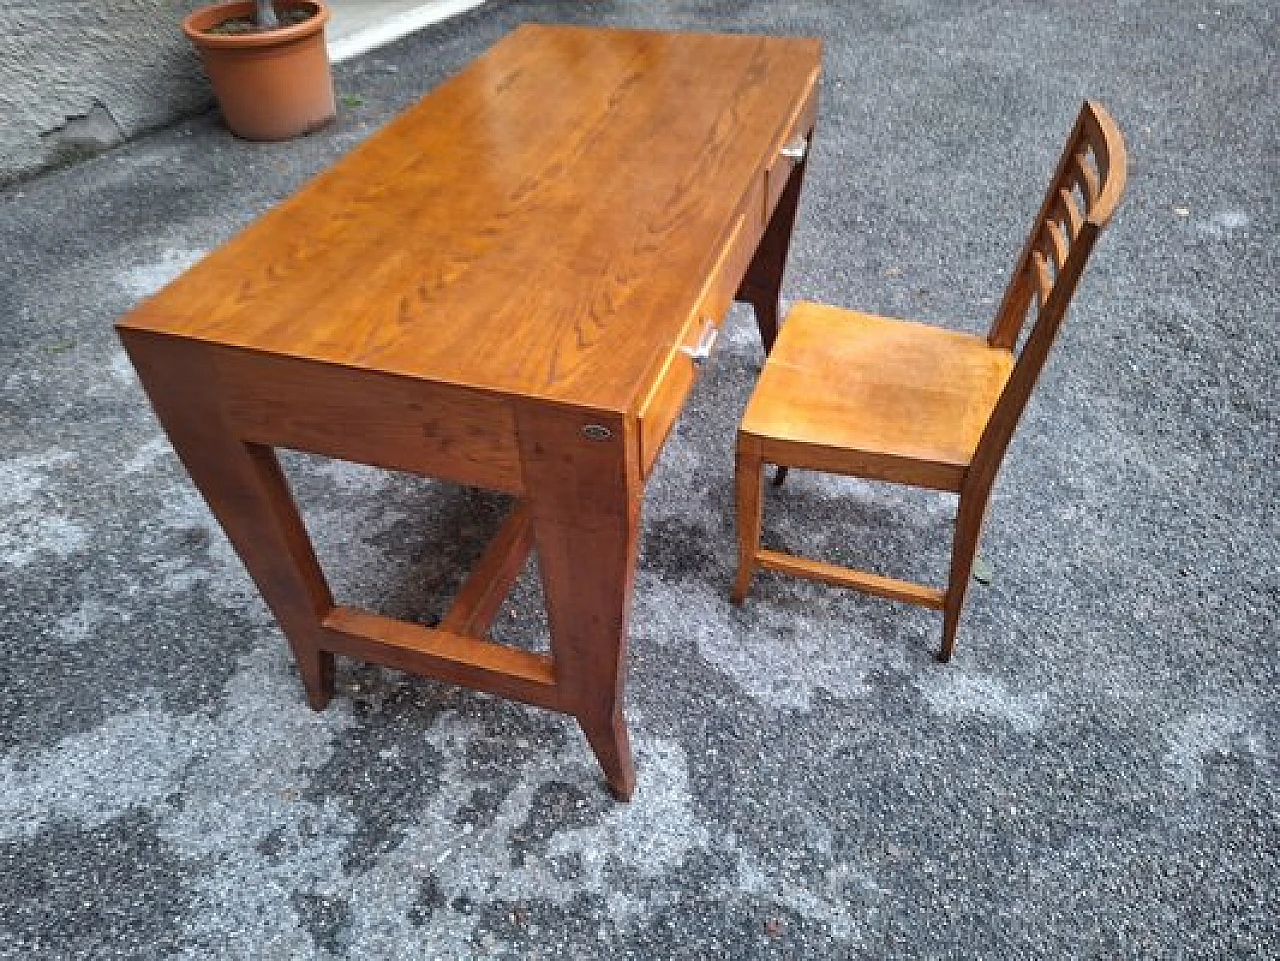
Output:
x=242 y=25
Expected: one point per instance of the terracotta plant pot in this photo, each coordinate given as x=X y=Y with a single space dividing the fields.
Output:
x=271 y=85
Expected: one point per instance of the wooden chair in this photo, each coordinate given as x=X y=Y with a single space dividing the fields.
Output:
x=854 y=394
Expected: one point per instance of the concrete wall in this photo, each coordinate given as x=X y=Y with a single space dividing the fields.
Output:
x=76 y=77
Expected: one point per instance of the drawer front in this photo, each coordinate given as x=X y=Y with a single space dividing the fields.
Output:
x=662 y=407
x=780 y=167
x=733 y=263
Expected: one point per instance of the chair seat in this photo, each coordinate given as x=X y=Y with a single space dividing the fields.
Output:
x=894 y=400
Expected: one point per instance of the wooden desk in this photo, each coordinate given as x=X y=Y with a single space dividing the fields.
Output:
x=502 y=288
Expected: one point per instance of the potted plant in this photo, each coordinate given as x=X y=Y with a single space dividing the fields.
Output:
x=268 y=65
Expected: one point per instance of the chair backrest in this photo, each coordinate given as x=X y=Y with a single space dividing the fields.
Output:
x=1081 y=198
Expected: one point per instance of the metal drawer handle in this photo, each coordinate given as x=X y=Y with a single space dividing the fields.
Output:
x=795 y=150
x=700 y=351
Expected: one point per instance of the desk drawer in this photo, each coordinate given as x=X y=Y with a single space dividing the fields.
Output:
x=662 y=407
x=780 y=167
x=732 y=265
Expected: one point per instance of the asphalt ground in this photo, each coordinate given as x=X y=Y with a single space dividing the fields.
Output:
x=1093 y=776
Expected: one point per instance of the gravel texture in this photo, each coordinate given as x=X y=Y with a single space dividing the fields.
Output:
x=1093 y=776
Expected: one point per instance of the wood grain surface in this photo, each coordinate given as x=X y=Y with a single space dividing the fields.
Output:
x=541 y=225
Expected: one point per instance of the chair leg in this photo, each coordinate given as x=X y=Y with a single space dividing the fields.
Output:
x=964 y=548
x=779 y=475
x=748 y=471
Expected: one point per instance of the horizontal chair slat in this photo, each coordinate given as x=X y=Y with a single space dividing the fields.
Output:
x=1059 y=242
x=890 y=587
x=1086 y=177
x=1043 y=276
x=1067 y=203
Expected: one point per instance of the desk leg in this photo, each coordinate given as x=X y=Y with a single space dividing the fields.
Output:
x=584 y=497
x=247 y=493
x=762 y=284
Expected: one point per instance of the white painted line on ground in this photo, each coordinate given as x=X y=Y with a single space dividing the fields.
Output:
x=393 y=28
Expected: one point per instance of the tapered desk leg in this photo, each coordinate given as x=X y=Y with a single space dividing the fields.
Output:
x=584 y=497
x=762 y=285
x=248 y=495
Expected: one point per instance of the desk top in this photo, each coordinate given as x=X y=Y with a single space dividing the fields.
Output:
x=540 y=225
